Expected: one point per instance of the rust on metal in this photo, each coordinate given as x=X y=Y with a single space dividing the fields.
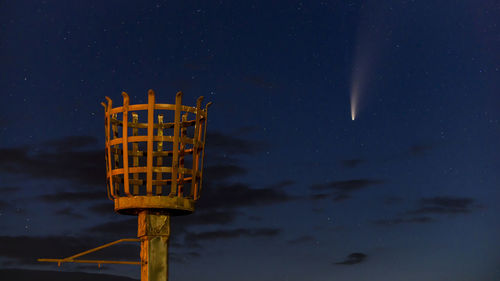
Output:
x=135 y=149
x=159 y=158
x=73 y=257
x=172 y=163
x=176 y=181
x=180 y=191
x=175 y=157
x=107 y=126
x=126 y=102
x=151 y=109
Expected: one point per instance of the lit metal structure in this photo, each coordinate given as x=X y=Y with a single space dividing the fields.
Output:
x=154 y=175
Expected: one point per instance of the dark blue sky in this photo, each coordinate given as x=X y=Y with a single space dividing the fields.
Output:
x=294 y=189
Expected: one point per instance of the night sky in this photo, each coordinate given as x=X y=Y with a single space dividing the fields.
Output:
x=293 y=188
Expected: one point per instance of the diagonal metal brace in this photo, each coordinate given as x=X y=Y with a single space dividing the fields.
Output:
x=99 y=262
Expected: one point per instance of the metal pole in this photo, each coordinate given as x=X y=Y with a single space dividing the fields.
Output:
x=154 y=232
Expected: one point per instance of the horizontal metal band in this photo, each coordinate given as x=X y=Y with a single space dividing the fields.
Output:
x=155 y=138
x=160 y=106
x=184 y=124
x=134 y=170
x=140 y=153
x=132 y=107
x=143 y=182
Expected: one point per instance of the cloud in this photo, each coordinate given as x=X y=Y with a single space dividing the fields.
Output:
x=281 y=184
x=223 y=172
x=351 y=163
x=353 y=258
x=183 y=257
x=232 y=233
x=444 y=205
x=232 y=145
x=85 y=167
x=237 y=195
x=341 y=196
x=104 y=208
x=319 y=196
x=342 y=189
x=4 y=205
x=301 y=240
x=210 y=217
x=348 y=185
x=432 y=206
x=7 y=190
x=29 y=275
x=127 y=227
x=396 y=221
x=69 y=212
x=71 y=143
x=27 y=249
x=73 y=196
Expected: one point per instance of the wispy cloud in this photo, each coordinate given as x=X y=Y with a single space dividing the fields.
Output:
x=429 y=208
x=223 y=172
x=301 y=240
x=233 y=233
x=127 y=227
x=396 y=221
x=72 y=196
x=60 y=159
x=69 y=212
x=28 y=275
x=444 y=205
x=71 y=143
x=237 y=195
x=342 y=190
x=26 y=249
x=9 y=189
x=233 y=145
x=353 y=258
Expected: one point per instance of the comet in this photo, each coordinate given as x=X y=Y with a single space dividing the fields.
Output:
x=357 y=83
x=354 y=101
x=362 y=68
x=367 y=54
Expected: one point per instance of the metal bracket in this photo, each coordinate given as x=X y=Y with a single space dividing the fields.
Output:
x=99 y=262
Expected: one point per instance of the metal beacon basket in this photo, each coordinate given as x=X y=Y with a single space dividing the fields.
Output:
x=155 y=165
x=153 y=170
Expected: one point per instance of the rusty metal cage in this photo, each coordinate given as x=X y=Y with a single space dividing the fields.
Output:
x=152 y=165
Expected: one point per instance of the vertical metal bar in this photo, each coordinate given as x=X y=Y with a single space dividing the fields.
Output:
x=180 y=192
x=159 y=159
x=203 y=151
x=151 y=121
x=196 y=147
x=175 y=152
x=116 y=186
x=135 y=150
x=198 y=169
x=108 y=148
x=126 y=102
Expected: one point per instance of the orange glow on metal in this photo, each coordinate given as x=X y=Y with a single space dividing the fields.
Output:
x=184 y=146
